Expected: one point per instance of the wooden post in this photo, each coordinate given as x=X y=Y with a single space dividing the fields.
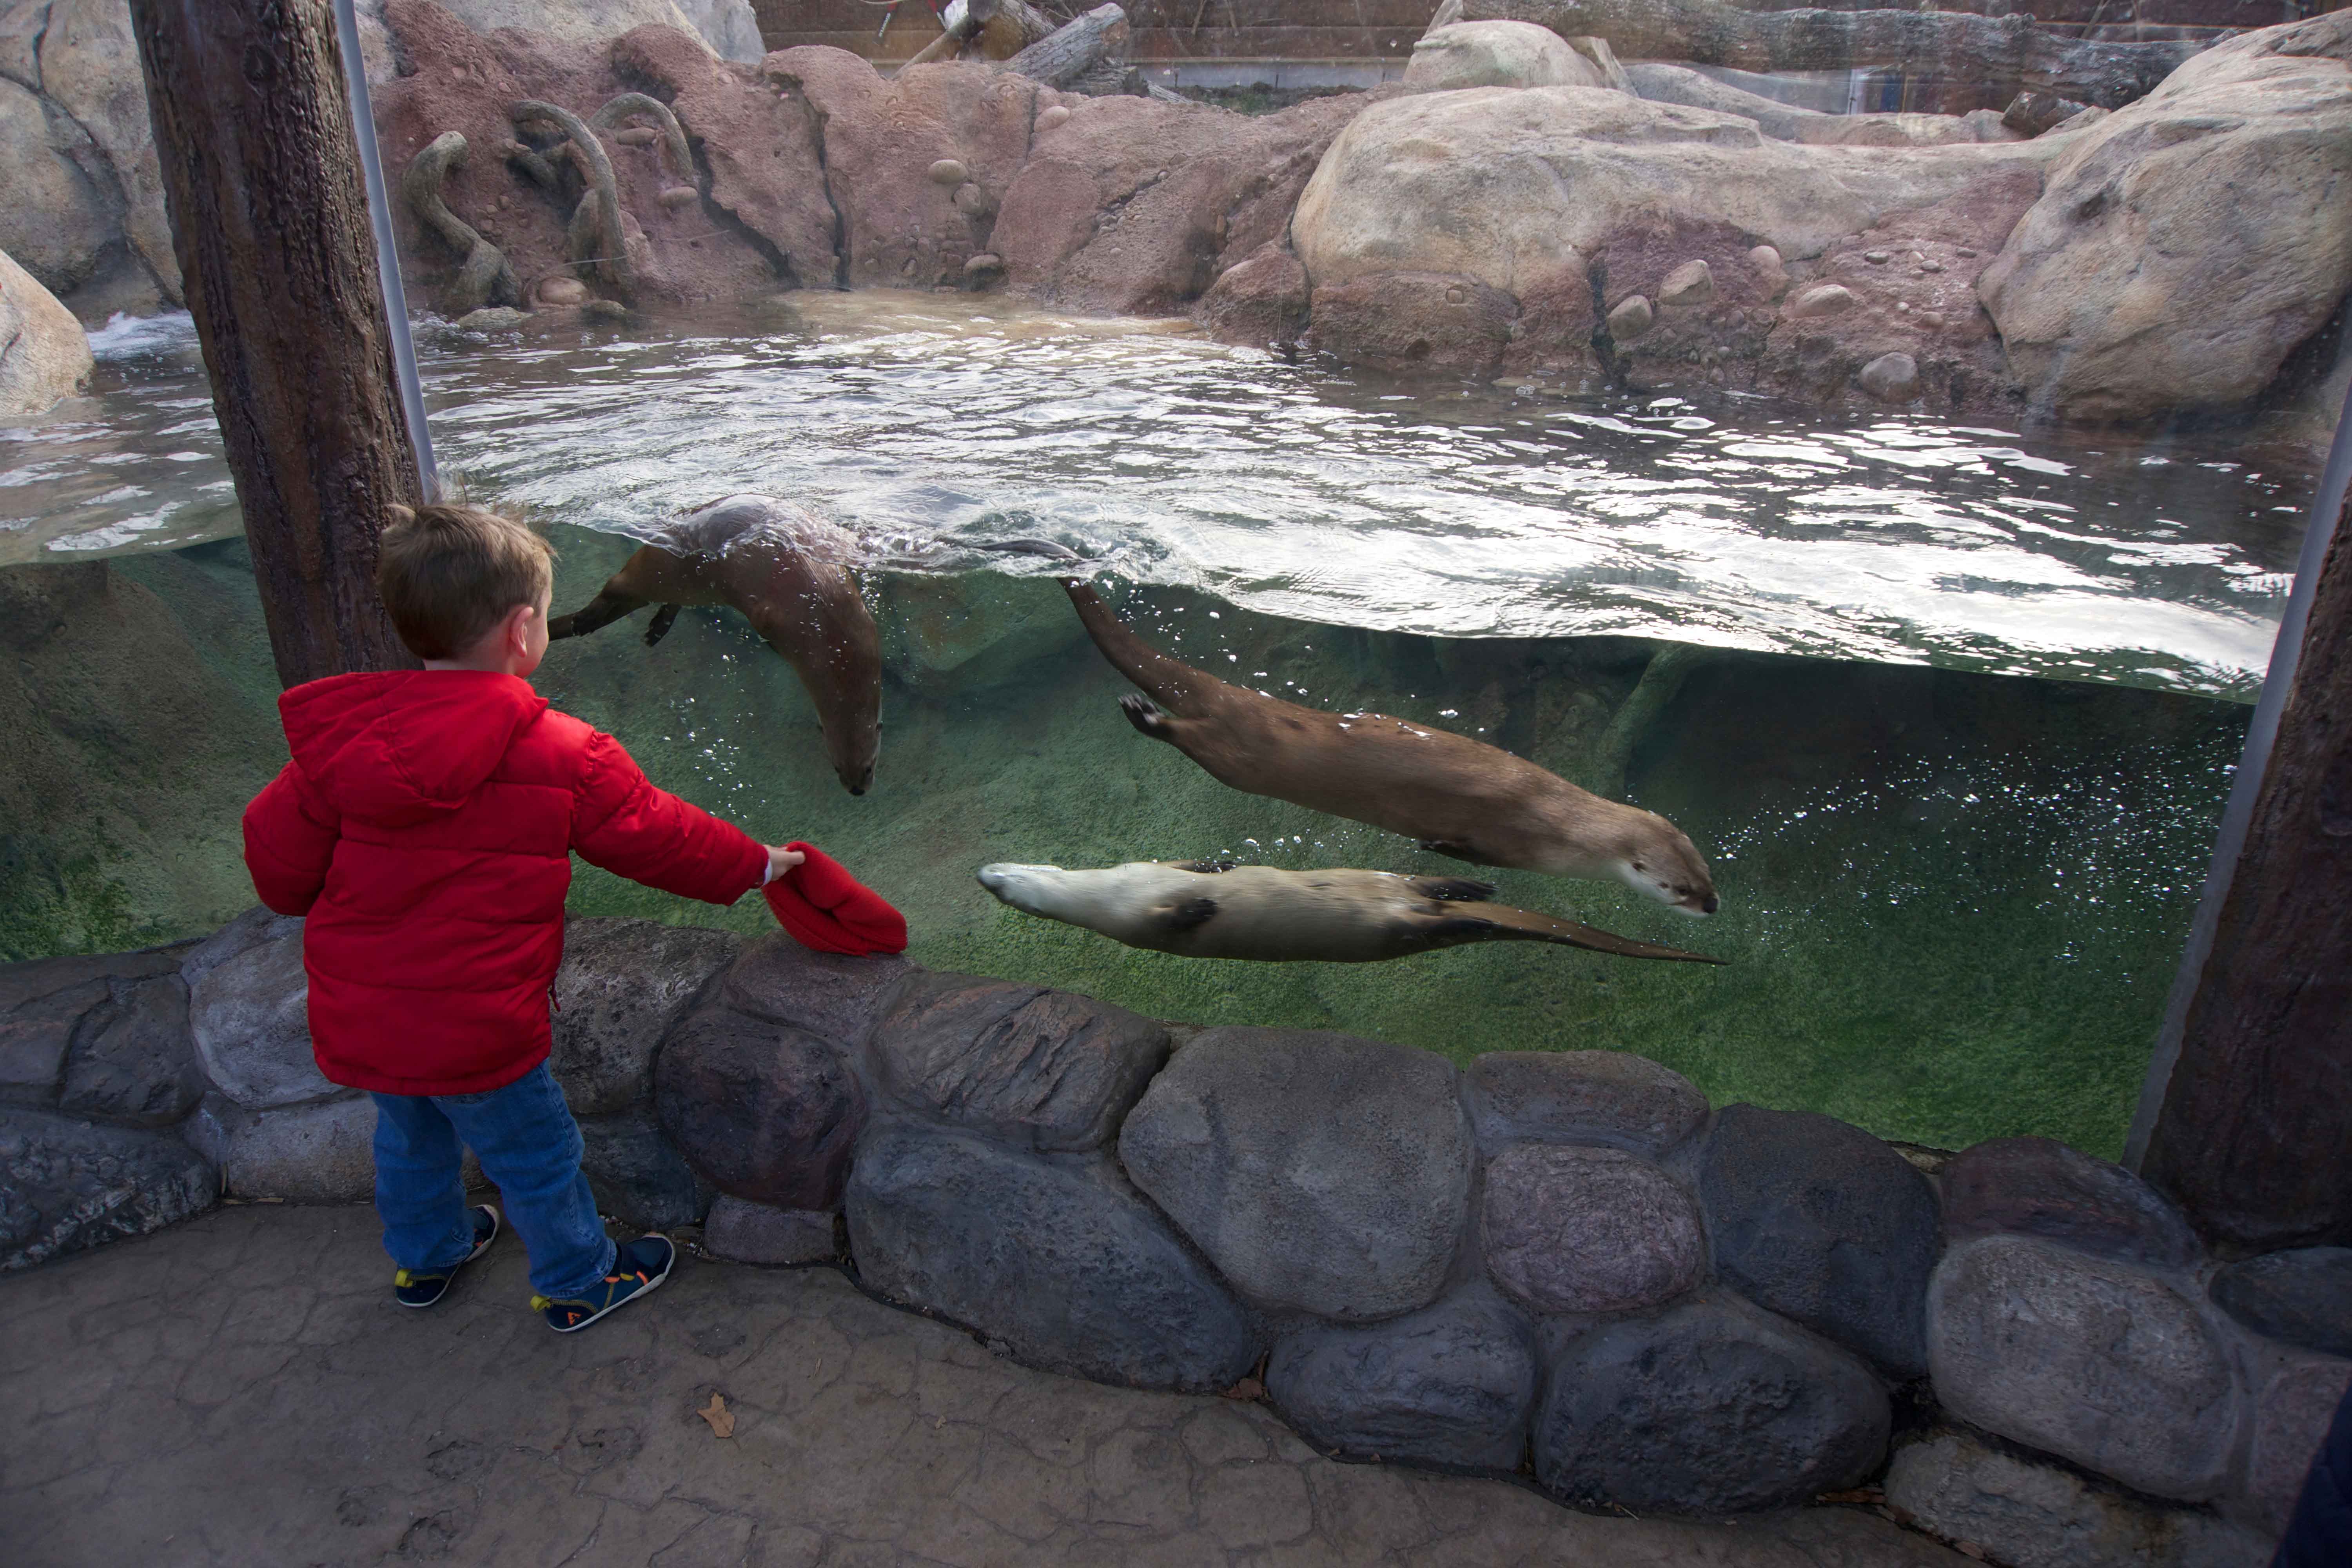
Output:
x=2247 y=1118
x=261 y=178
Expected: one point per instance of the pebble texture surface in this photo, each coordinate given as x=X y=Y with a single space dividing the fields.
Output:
x=1047 y=1068
x=1320 y=1173
x=66 y=1185
x=2084 y=1358
x=621 y=984
x=1708 y=1409
x=249 y=1371
x=1451 y=1385
x=1588 y=1230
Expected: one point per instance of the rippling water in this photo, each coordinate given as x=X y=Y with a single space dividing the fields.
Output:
x=1289 y=488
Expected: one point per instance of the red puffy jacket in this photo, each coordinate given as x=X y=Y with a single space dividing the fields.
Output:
x=426 y=826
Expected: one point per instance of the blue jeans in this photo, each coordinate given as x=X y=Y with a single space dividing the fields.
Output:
x=528 y=1143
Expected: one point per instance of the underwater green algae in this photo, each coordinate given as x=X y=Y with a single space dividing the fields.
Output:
x=1952 y=902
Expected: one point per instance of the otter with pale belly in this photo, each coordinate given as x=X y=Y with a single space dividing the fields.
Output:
x=1212 y=908
x=1455 y=795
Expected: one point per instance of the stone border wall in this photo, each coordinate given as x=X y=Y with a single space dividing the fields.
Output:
x=1564 y=1266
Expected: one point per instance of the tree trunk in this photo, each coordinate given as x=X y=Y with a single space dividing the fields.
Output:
x=1990 y=57
x=261 y=179
x=1075 y=52
x=2255 y=1135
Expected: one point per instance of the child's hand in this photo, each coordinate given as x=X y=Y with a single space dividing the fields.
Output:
x=780 y=860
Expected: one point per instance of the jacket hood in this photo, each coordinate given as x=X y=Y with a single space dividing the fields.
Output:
x=401 y=747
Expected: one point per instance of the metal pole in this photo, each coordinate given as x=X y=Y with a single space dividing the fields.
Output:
x=2326 y=505
x=387 y=250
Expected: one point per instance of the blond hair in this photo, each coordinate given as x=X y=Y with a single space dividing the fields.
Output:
x=450 y=574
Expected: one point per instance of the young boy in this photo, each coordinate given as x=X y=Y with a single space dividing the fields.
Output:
x=426 y=826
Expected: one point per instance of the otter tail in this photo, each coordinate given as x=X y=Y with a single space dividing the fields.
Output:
x=596 y=614
x=1166 y=681
x=1500 y=922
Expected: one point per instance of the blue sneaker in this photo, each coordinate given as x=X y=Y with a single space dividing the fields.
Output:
x=411 y=1288
x=638 y=1269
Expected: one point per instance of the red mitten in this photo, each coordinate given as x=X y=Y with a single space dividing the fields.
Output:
x=828 y=911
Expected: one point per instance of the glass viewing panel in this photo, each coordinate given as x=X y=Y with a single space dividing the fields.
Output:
x=1866 y=450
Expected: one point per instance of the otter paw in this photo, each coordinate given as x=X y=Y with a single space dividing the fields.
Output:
x=659 y=628
x=1145 y=715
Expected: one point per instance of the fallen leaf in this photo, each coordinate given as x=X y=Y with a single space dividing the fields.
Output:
x=1969 y=1548
x=721 y=1419
x=1247 y=1388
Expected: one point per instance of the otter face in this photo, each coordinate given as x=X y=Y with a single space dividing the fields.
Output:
x=1029 y=888
x=1668 y=868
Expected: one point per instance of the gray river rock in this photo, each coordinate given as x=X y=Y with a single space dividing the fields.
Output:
x=1824 y=1222
x=1451 y=1385
x=1056 y=1262
x=1708 y=1408
x=1320 y=1173
x=1020 y=1063
x=2149 y=1403
x=66 y=1185
x=621 y=984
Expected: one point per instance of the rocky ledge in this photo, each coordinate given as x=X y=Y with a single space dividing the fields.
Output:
x=1566 y=1263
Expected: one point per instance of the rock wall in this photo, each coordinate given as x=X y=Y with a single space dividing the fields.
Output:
x=1565 y=1262
x=44 y=355
x=85 y=213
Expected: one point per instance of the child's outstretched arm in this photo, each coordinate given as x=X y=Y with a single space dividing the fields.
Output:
x=621 y=822
x=289 y=840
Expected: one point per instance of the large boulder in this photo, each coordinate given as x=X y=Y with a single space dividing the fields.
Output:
x=1496 y=54
x=763 y=143
x=738 y=1230
x=1451 y=1385
x=2037 y=1186
x=1524 y=192
x=1320 y=1173
x=2303 y=1297
x=2032 y=1515
x=1610 y=1098
x=1135 y=206
x=1709 y=1408
x=1588 y=1230
x=621 y=985
x=2093 y=1361
x=2186 y=244
x=1060 y=1264
x=66 y=1185
x=1048 y=1069
x=58 y=221
x=134 y=1059
x=1823 y=1222
x=44 y=355
x=251 y=1018
x=50 y=1008
x=319 y=1153
x=830 y=995
x=764 y=1111
x=638 y=1174
x=1259 y=302
x=89 y=69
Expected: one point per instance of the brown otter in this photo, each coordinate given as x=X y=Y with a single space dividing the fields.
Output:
x=788 y=570
x=1214 y=909
x=1456 y=796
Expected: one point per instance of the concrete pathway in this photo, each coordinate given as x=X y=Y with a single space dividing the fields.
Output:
x=241 y=1390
